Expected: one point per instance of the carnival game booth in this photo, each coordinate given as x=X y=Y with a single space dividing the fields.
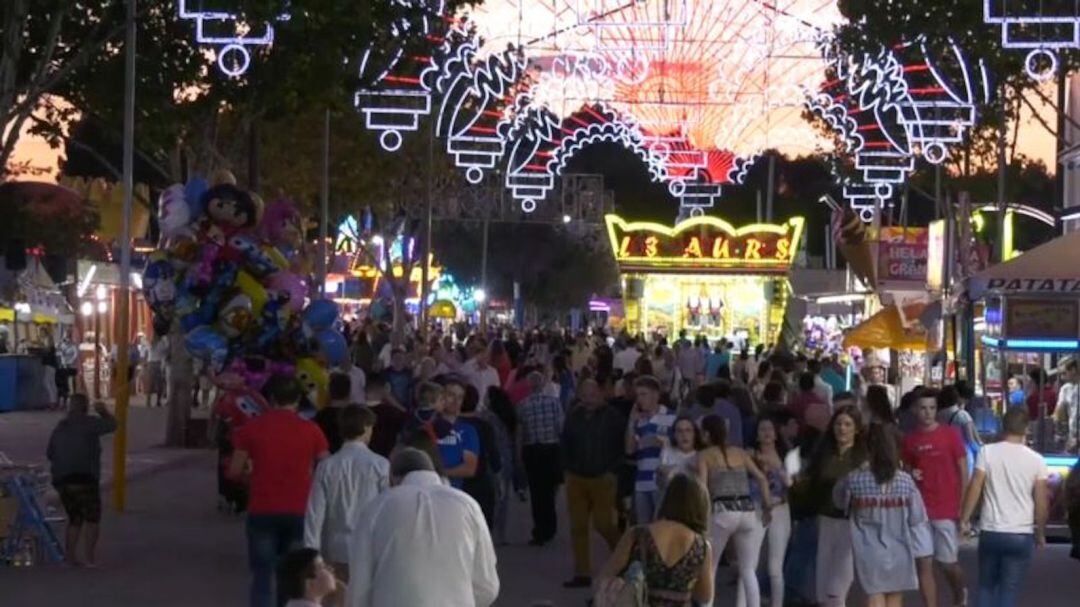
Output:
x=706 y=276
x=1031 y=315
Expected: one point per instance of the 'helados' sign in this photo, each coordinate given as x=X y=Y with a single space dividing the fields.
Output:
x=704 y=243
x=1034 y=285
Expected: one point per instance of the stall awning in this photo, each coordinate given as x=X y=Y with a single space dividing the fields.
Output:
x=1048 y=268
x=43 y=319
x=886 y=331
x=7 y=315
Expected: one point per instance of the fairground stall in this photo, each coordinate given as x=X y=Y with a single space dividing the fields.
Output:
x=706 y=276
x=1031 y=320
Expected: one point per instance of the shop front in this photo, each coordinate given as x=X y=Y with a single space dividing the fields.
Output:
x=705 y=276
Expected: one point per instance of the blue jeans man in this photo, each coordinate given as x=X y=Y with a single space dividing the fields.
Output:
x=270 y=536
x=1004 y=560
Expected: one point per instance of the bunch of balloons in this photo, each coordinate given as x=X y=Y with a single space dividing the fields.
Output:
x=230 y=274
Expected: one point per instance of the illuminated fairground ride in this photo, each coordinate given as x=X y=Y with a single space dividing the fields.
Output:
x=696 y=88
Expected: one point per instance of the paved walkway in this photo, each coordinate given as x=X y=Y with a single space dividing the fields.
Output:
x=172 y=547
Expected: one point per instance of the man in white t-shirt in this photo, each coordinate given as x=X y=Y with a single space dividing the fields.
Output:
x=1013 y=478
x=625 y=359
x=1068 y=405
x=479 y=373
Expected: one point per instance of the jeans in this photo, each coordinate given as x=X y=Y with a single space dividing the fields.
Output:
x=269 y=537
x=590 y=498
x=646 y=503
x=777 y=535
x=1004 y=559
x=747 y=532
x=544 y=471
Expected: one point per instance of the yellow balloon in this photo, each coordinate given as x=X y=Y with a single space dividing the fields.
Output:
x=251 y=287
x=313 y=376
x=275 y=255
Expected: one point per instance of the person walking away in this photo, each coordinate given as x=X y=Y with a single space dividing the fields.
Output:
x=390 y=418
x=68 y=353
x=841 y=450
x=726 y=470
x=822 y=388
x=716 y=359
x=489 y=462
x=647 y=423
x=769 y=454
x=235 y=405
x=591 y=450
x=421 y=544
x=626 y=356
x=672 y=551
x=806 y=405
x=282 y=449
x=937 y=459
x=339 y=389
x=886 y=513
x=74 y=455
x=540 y=419
x=952 y=413
x=459 y=448
x=502 y=416
x=343 y=485
x=304 y=579
x=1011 y=479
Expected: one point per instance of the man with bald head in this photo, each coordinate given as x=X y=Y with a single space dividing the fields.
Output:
x=540 y=424
x=427 y=541
x=592 y=451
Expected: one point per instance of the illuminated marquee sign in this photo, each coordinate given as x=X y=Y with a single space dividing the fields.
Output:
x=704 y=243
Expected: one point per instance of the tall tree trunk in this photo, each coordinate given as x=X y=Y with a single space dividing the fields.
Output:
x=397 y=333
x=181 y=390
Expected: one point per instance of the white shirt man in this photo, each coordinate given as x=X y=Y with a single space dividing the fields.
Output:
x=625 y=359
x=343 y=485
x=481 y=375
x=421 y=544
x=357 y=382
x=1068 y=403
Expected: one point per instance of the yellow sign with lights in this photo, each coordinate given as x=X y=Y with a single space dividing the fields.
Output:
x=704 y=243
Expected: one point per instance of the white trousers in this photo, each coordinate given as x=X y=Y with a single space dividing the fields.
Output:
x=747 y=532
x=835 y=565
x=777 y=535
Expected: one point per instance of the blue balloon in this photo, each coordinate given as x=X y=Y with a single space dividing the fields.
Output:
x=320 y=315
x=332 y=346
x=206 y=343
x=193 y=191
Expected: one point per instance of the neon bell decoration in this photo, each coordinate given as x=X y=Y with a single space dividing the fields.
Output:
x=227 y=32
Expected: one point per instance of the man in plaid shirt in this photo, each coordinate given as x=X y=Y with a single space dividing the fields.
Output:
x=540 y=420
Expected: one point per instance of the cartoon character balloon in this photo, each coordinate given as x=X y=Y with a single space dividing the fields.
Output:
x=174 y=214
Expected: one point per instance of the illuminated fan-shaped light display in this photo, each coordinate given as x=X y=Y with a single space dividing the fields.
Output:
x=893 y=106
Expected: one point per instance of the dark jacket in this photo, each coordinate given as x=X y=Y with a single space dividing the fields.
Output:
x=592 y=441
x=75 y=447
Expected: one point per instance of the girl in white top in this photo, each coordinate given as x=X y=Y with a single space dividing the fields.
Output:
x=679 y=455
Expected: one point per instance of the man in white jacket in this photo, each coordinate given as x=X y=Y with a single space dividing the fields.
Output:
x=344 y=484
x=428 y=543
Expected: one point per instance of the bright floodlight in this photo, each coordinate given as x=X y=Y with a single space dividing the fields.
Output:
x=86 y=309
x=479 y=296
x=566 y=219
x=100 y=292
x=102 y=307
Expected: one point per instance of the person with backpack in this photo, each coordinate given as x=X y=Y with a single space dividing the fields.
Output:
x=951 y=412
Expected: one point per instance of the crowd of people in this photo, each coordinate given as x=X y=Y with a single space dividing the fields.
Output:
x=678 y=456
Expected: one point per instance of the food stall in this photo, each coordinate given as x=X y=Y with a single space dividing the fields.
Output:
x=706 y=276
x=1031 y=315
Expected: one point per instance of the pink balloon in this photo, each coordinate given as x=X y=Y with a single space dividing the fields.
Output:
x=291 y=284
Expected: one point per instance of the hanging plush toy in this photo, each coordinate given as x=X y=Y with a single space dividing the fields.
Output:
x=228 y=210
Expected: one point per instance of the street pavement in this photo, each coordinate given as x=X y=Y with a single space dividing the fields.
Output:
x=173 y=548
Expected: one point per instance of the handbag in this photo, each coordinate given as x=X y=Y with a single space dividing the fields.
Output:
x=631 y=588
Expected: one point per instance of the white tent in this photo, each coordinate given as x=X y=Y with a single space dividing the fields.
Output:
x=1050 y=268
